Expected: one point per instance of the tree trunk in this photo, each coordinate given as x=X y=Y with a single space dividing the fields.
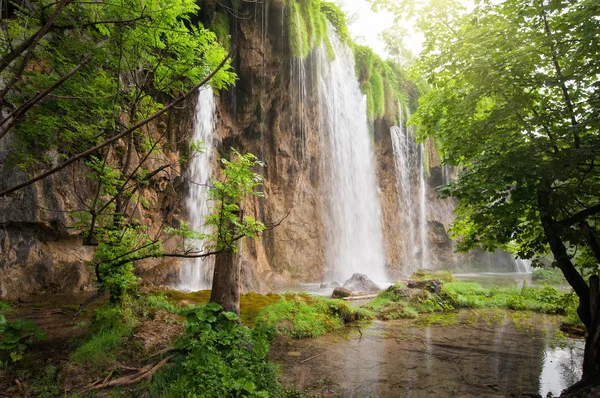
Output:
x=589 y=296
x=226 y=281
x=590 y=355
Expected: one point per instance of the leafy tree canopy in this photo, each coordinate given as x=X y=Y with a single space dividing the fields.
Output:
x=105 y=66
x=514 y=102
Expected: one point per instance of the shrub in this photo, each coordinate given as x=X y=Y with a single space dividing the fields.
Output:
x=219 y=358
x=551 y=276
x=15 y=336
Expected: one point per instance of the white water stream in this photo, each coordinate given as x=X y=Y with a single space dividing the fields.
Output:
x=352 y=214
x=196 y=274
x=409 y=159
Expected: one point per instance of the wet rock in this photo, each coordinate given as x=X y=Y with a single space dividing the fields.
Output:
x=432 y=285
x=330 y=285
x=340 y=292
x=361 y=283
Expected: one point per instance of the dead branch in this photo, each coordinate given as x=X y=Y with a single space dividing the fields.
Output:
x=87 y=302
x=313 y=357
x=145 y=373
x=158 y=353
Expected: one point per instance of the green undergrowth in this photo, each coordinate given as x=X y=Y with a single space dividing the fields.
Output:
x=400 y=302
x=552 y=276
x=302 y=315
x=175 y=302
x=110 y=324
x=217 y=357
x=545 y=299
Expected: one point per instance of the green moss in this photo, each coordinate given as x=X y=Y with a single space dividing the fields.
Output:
x=301 y=315
x=338 y=19
x=177 y=302
x=298 y=35
x=378 y=94
x=426 y=274
x=222 y=28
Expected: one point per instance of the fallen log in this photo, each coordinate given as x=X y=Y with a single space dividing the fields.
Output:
x=363 y=297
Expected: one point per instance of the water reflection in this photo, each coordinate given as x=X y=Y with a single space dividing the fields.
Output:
x=484 y=352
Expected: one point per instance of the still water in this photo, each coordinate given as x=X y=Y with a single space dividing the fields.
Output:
x=481 y=353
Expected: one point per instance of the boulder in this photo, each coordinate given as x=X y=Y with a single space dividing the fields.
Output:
x=340 y=292
x=432 y=285
x=360 y=283
x=330 y=285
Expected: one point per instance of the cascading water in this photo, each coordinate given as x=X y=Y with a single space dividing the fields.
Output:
x=401 y=146
x=196 y=274
x=412 y=197
x=352 y=216
x=523 y=266
x=423 y=209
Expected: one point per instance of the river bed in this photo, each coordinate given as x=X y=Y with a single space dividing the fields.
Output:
x=485 y=353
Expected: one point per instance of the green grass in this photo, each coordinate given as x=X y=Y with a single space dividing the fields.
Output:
x=398 y=302
x=544 y=299
x=552 y=276
x=426 y=274
x=109 y=326
x=301 y=315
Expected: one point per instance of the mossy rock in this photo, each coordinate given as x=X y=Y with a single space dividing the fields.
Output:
x=426 y=274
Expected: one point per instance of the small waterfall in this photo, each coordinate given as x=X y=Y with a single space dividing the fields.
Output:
x=196 y=274
x=423 y=209
x=523 y=266
x=401 y=146
x=409 y=159
x=352 y=214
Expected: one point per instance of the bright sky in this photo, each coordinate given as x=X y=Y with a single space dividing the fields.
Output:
x=368 y=24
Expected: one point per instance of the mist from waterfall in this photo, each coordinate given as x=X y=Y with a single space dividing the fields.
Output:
x=352 y=211
x=196 y=274
x=409 y=159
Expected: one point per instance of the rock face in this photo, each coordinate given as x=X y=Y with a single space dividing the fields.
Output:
x=360 y=283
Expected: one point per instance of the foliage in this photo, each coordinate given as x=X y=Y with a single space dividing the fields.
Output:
x=46 y=384
x=385 y=84
x=251 y=303
x=220 y=358
x=546 y=299
x=336 y=16
x=552 y=276
x=229 y=223
x=139 y=52
x=512 y=104
x=109 y=325
x=15 y=336
x=301 y=315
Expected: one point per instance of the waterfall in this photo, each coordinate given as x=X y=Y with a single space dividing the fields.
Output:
x=423 y=209
x=352 y=213
x=409 y=159
x=196 y=274
x=523 y=266
x=401 y=145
